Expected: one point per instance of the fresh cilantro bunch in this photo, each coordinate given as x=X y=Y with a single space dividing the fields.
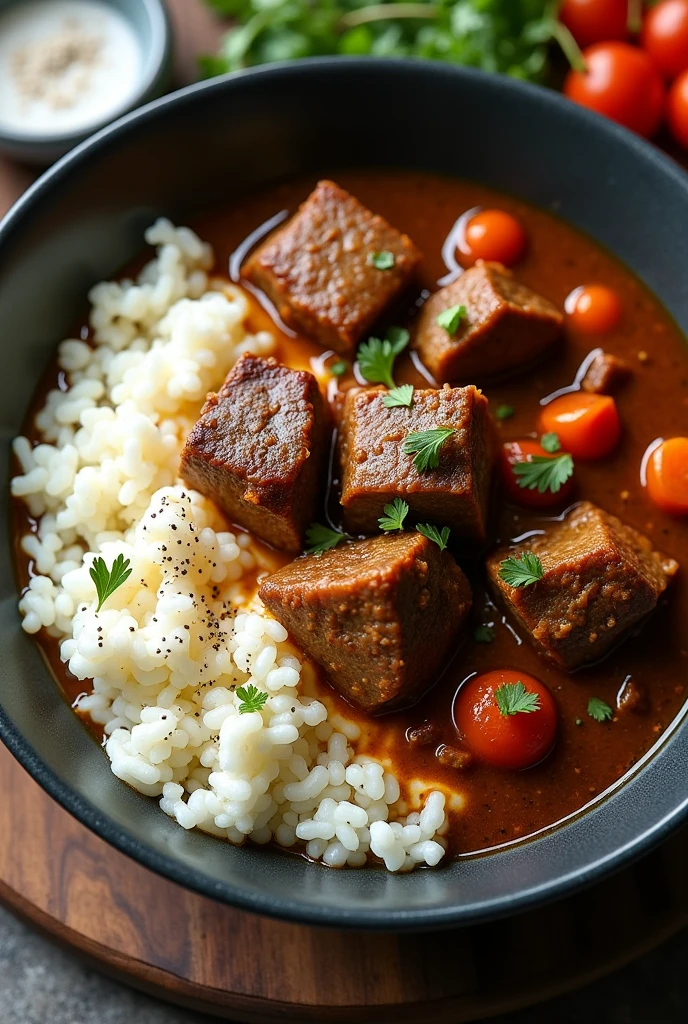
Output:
x=510 y=36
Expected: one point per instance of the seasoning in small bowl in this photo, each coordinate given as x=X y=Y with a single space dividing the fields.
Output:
x=67 y=67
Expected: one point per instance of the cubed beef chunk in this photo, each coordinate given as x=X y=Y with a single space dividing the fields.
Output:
x=375 y=469
x=632 y=697
x=258 y=450
x=318 y=269
x=505 y=328
x=380 y=615
x=600 y=578
x=605 y=374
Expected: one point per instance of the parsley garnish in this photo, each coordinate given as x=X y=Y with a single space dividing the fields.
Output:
x=551 y=443
x=252 y=699
x=543 y=473
x=321 y=538
x=451 y=318
x=403 y=395
x=599 y=710
x=108 y=580
x=504 y=412
x=514 y=699
x=521 y=572
x=425 y=445
x=382 y=260
x=439 y=537
x=376 y=357
x=339 y=368
x=394 y=516
x=578 y=721
x=483 y=634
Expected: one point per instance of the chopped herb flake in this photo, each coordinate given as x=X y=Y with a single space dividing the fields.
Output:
x=522 y=571
x=551 y=443
x=514 y=699
x=504 y=412
x=433 y=533
x=382 y=260
x=400 y=396
x=321 y=538
x=544 y=473
x=339 y=368
x=394 y=516
x=108 y=580
x=599 y=710
x=425 y=445
x=252 y=699
x=483 y=634
x=450 y=319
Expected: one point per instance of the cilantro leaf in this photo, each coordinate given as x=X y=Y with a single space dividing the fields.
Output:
x=425 y=446
x=339 y=368
x=550 y=442
x=504 y=412
x=108 y=580
x=544 y=473
x=321 y=538
x=376 y=356
x=252 y=699
x=483 y=634
x=514 y=699
x=394 y=516
x=401 y=396
x=599 y=710
x=450 y=319
x=382 y=260
x=439 y=537
x=522 y=571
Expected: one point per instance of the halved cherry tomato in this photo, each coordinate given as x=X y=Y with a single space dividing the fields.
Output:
x=514 y=452
x=594 y=309
x=495 y=235
x=517 y=740
x=621 y=82
x=588 y=426
x=665 y=36
x=595 y=21
x=667 y=476
x=677 y=109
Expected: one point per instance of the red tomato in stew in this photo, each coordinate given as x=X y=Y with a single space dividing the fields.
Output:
x=667 y=476
x=588 y=426
x=514 y=452
x=621 y=82
x=495 y=235
x=515 y=739
x=677 y=109
x=595 y=21
x=594 y=309
x=665 y=36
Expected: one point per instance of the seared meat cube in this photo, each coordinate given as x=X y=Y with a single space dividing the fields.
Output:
x=505 y=328
x=605 y=374
x=600 y=578
x=375 y=469
x=319 y=269
x=259 y=448
x=632 y=697
x=380 y=615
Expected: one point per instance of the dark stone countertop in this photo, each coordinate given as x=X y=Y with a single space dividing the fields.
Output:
x=40 y=984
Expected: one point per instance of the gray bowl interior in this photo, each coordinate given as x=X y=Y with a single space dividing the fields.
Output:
x=85 y=219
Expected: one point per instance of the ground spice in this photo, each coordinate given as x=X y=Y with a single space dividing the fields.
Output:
x=57 y=68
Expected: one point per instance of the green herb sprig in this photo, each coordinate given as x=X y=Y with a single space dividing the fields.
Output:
x=252 y=699
x=543 y=472
x=425 y=445
x=514 y=699
x=450 y=319
x=400 y=396
x=395 y=514
x=108 y=580
x=599 y=710
x=433 y=533
x=381 y=260
x=376 y=356
x=522 y=571
x=321 y=538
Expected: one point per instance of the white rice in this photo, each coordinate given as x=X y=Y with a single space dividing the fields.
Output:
x=171 y=646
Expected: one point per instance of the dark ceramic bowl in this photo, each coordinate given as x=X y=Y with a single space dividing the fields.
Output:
x=84 y=219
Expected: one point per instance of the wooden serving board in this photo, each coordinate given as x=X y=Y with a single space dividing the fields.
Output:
x=192 y=951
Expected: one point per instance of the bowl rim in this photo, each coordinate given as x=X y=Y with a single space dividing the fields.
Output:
x=289 y=908
x=154 y=62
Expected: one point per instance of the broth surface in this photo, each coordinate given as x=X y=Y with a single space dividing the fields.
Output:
x=495 y=806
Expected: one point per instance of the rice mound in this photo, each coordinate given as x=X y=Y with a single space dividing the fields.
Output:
x=172 y=645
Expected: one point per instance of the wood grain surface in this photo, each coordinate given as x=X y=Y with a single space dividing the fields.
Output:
x=192 y=951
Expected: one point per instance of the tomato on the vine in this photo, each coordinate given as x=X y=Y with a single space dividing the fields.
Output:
x=621 y=82
x=665 y=36
x=595 y=21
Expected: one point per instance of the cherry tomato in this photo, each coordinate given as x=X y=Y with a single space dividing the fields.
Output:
x=514 y=740
x=665 y=36
x=677 y=109
x=594 y=309
x=514 y=452
x=667 y=476
x=595 y=21
x=622 y=83
x=587 y=425
x=495 y=235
